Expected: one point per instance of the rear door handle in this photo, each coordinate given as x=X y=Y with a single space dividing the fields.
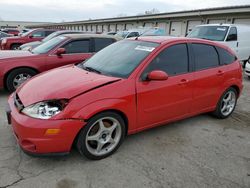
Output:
x=220 y=73
x=183 y=81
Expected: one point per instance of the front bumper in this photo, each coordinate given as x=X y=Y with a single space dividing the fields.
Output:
x=30 y=132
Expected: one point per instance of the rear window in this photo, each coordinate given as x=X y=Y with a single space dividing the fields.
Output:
x=225 y=57
x=205 y=56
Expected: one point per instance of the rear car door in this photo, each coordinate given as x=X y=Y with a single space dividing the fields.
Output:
x=209 y=76
x=76 y=52
x=162 y=101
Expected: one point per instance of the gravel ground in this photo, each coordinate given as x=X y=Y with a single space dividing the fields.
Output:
x=197 y=152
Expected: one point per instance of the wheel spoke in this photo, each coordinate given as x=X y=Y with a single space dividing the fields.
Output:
x=99 y=147
x=111 y=141
x=94 y=137
x=101 y=125
x=224 y=107
x=112 y=128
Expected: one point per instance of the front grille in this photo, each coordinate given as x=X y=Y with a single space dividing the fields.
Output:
x=18 y=103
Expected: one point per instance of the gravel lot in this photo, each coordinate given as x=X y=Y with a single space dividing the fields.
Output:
x=196 y=152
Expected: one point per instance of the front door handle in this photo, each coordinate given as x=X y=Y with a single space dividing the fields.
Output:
x=183 y=81
x=220 y=73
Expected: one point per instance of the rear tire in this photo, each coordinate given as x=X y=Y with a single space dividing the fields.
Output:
x=102 y=136
x=17 y=77
x=226 y=104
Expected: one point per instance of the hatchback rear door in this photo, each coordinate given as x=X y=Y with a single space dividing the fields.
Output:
x=208 y=77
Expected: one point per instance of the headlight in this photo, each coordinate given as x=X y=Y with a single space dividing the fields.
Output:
x=4 y=41
x=46 y=109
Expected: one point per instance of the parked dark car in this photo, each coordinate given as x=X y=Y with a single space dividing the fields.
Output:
x=17 y=66
x=12 y=43
x=31 y=45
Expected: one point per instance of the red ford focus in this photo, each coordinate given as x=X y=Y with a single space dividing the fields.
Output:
x=125 y=88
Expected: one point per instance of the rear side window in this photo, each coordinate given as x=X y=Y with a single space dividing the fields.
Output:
x=225 y=57
x=205 y=56
x=78 y=46
x=173 y=60
x=101 y=43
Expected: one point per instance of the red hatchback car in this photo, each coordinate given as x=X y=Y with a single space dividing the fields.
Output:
x=18 y=66
x=130 y=86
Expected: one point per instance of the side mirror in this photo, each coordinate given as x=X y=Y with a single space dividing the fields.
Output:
x=157 y=75
x=30 y=36
x=60 y=51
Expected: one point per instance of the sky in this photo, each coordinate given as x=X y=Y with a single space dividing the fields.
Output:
x=75 y=10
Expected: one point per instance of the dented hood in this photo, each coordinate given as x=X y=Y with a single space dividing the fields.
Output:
x=61 y=83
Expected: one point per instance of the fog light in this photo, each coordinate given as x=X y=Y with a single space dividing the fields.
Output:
x=52 y=131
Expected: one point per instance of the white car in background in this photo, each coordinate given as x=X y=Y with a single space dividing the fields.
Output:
x=237 y=37
x=247 y=70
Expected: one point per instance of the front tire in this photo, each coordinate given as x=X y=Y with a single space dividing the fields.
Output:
x=226 y=104
x=17 y=77
x=102 y=136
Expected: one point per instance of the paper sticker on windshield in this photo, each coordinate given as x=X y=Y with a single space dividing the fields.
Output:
x=144 y=48
x=221 y=29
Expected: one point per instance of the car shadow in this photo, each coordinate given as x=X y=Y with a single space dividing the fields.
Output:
x=4 y=92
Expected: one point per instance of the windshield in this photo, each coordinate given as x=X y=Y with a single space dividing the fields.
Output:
x=120 y=58
x=52 y=35
x=49 y=45
x=215 y=33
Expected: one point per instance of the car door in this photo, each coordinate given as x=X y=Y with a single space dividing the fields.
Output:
x=208 y=77
x=76 y=52
x=162 y=101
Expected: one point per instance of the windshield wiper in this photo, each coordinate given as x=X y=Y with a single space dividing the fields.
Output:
x=91 y=69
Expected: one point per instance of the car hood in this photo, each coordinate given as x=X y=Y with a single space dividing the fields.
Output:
x=61 y=83
x=5 y=54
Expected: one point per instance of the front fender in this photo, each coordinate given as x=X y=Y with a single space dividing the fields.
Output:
x=123 y=106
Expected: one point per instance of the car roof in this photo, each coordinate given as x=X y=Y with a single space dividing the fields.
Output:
x=170 y=39
x=80 y=36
